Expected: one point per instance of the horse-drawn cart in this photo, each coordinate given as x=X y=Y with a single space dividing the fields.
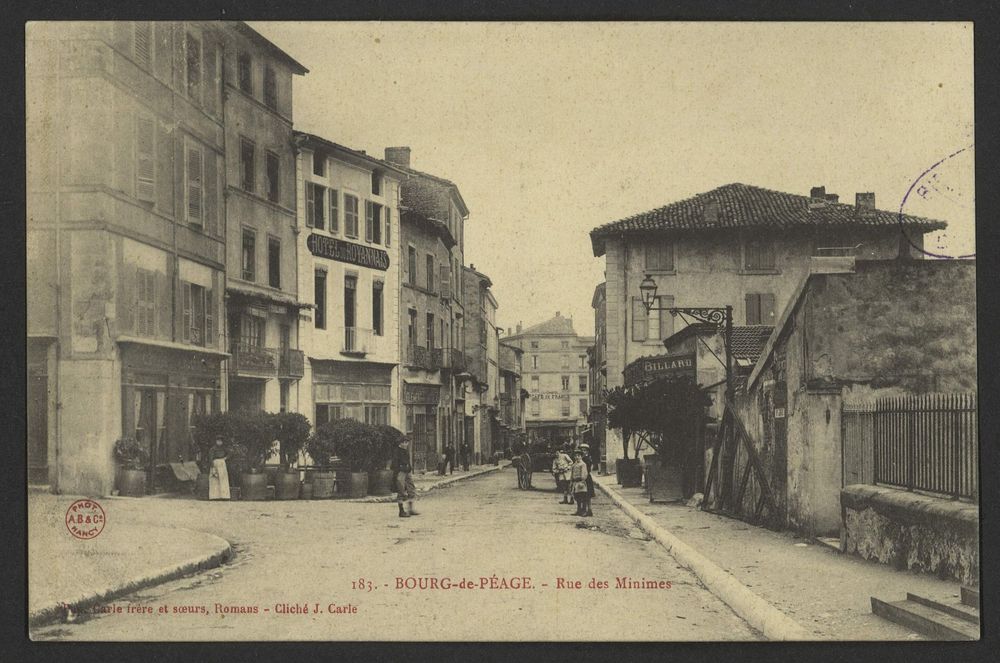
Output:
x=527 y=464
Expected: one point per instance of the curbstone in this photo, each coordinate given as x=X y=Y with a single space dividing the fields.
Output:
x=55 y=611
x=758 y=613
x=382 y=499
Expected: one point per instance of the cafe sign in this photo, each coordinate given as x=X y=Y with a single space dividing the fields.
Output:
x=646 y=369
x=322 y=246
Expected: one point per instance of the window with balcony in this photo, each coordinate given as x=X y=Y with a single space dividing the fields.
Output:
x=411 y=329
x=583 y=384
x=252 y=326
x=244 y=72
x=247 y=149
x=351 y=216
x=758 y=255
x=350 y=308
x=660 y=256
x=272 y=167
x=315 y=205
x=430 y=331
x=319 y=298
x=193 y=65
x=270 y=88
x=274 y=262
x=377 y=324
x=760 y=309
x=249 y=255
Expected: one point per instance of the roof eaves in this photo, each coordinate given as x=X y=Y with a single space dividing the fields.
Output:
x=297 y=67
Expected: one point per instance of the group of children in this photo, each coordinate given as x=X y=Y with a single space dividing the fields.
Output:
x=573 y=477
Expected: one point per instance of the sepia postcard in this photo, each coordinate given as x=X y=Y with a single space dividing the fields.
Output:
x=501 y=331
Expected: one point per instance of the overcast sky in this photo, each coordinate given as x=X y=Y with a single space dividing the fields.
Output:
x=551 y=129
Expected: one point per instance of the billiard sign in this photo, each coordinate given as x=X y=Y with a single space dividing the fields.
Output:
x=354 y=254
x=645 y=369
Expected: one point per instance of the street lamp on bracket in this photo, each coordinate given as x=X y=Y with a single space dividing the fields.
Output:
x=719 y=316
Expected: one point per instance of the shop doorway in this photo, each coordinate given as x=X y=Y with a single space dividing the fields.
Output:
x=246 y=395
x=38 y=428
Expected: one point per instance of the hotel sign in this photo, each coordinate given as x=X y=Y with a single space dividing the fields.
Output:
x=645 y=369
x=322 y=246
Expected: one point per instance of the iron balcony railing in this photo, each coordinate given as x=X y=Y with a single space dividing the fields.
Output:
x=357 y=341
x=250 y=359
x=417 y=356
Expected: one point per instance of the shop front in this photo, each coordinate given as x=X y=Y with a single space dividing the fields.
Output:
x=351 y=390
x=421 y=404
x=163 y=390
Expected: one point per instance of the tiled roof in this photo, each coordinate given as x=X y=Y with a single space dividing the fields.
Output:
x=745 y=206
x=557 y=325
x=748 y=341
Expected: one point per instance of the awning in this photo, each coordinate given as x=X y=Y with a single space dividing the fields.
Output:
x=170 y=345
x=240 y=292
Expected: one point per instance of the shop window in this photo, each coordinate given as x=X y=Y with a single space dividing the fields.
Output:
x=272 y=167
x=270 y=88
x=351 y=216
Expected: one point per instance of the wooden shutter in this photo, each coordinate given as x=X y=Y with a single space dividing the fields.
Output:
x=143 y=43
x=145 y=160
x=767 y=309
x=188 y=310
x=445 y=280
x=334 y=216
x=209 y=319
x=666 y=320
x=310 y=204
x=388 y=228
x=639 y=320
x=753 y=309
x=369 y=220
x=195 y=178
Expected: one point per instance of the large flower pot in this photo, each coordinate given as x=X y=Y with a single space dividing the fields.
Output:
x=648 y=460
x=322 y=485
x=287 y=485
x=272 y=473
x=131 y=483
x=380 y=482
x=235 y=467
x=201 y=486
x=253 y=486
x=358 y=486
x=629 y=472
x=665 y=482
x=307 y=491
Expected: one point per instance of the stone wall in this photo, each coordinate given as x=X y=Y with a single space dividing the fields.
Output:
x=912 y=531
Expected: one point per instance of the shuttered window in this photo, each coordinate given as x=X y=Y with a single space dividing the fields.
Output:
x=274 y=262
x=334 y=211
x=639 y=321
x=142 y=43
x=350 y=216
x=195 y=185
x=145 y=318
x=388 y=228
x=660 y=256
x=758 y=255
x=272 y=168
x=369 y=220
x=192 y=47
x=270 y=88
x=247 y=157
x=244 y=72
x=315 y=205
x=145 y=159
x=411 y=266
x=430 y=272
x=445 y=280
x=760 y=309
x=249 y=271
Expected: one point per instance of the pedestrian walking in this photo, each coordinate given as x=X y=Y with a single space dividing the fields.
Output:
x=218 y=475
x=463 y=452
x=578 y=479
x=561 y=465
x=449 y=458
x=403 y=472
x=585 y=448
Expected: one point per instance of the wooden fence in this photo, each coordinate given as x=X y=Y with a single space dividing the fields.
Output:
x=928 y=443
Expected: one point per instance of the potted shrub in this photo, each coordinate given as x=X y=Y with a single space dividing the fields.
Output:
x=291 y=430
x=624 y=411
x=132 y=460
x=673 y=429
x=255 y=433
x=380 y=478
x=319 y=446
x=352 y=443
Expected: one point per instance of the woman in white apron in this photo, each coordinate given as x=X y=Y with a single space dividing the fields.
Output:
x=218 y=476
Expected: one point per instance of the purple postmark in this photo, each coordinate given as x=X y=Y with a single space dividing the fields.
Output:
x=944 y=191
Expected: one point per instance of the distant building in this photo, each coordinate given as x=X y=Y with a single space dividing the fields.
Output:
x=737 y=245
x=556 y=374
x=432 y=316
x=348 y=275
x=512 y=396
x=482 y=350
x=597 y=415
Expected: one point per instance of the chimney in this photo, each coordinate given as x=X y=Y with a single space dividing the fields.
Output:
x=509 y=332
x=864 y=202
x=817 y=197
x=710 y=211
x=518 y=326
x=398 y=155
x=832 y=198
x=558 y=315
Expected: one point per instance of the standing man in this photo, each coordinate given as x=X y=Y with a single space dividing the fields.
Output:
x=463 y=451
x=585 y=448
x=561 y=465
x=403 y=472
x=449 y=458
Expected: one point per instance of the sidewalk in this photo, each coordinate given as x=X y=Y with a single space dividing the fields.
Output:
x=825 y=592
x=431 y=480
x=125 y=556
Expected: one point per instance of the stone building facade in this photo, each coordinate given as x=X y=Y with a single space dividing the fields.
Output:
x=482 y=372
x=737 y=245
